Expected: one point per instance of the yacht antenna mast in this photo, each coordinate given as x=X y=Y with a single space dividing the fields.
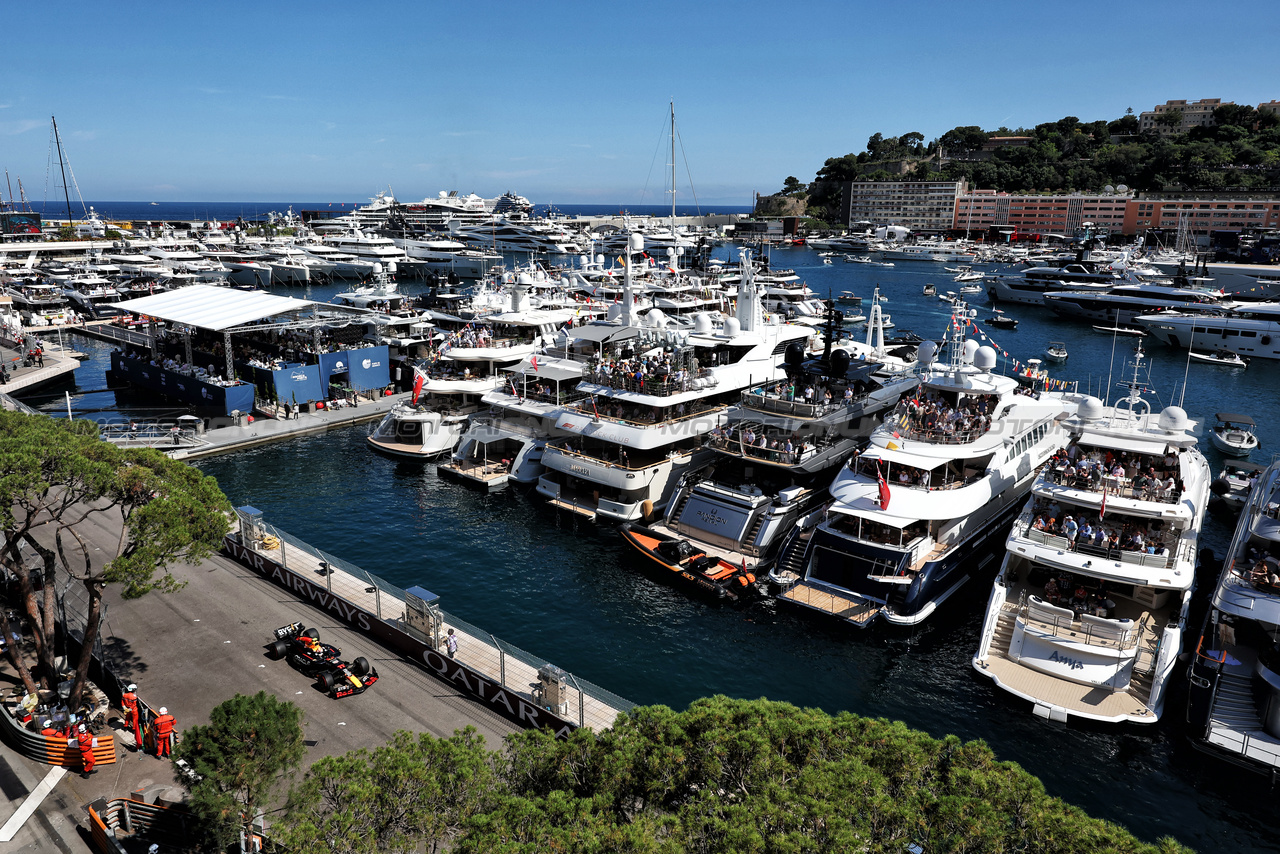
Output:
x=63 y=166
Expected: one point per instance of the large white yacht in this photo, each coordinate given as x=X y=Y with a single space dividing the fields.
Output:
x=184 y=259
x=655 y=395
x=1121 y=304
x=918 y=512
x=781 y=448
x=1086 y=616
x=1250 y=329
x=345 y=264
x=1233 y=700
x=449 y=256
x=368 y=247
x=504 y=444
x=504 y=235
x=467 y=365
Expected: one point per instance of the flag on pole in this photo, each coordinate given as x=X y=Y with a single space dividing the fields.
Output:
x=884 y=490
x=534 y=363
x=418 y=379
x=1102 y=511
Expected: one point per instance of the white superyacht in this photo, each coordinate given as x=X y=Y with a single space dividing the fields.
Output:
x=1086 y=616
x=916 y=513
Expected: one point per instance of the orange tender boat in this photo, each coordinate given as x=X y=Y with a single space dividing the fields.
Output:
x=687 y=566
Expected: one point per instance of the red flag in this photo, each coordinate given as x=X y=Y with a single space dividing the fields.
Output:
x=535 y=363
x=419 y=377
x=1102 y=511
x=884 y=490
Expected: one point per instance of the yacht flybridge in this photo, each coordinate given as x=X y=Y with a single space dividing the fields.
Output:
x=914 y=515
x=654 y=395
x=1086 y=616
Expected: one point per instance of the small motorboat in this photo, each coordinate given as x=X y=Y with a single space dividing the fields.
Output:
x=1121 y=330
x=1234 y=435
x=930 y=290
x=826 y=260
x=949 y=296
x=1001 y=321
x=1233 y=485
x=971 y=289
x=1226 y=358
x=970 y=276
x=1056 y=352
x=1031 y=374
x=880 y=263
x=849 y=298
x=857 y=259
x=851 y=317
x=688 y=566
x=887 y=322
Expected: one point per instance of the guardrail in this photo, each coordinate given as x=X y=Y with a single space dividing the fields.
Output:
x=501 y=675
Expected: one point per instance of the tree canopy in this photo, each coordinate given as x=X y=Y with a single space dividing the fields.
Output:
x=54 y=476
x=723 y=776
x=239 y=759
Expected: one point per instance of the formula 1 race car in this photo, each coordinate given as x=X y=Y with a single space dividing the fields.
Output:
x=302 y=647
x=321 y=661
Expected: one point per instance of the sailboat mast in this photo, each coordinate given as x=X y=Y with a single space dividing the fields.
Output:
x=673 y=172
x=63 y=166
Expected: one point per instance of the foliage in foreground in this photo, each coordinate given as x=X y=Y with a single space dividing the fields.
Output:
x=240 y=757
x=723 y=776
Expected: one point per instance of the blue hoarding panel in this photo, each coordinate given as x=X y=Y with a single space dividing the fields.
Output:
x=369 y=368
x=298 y=384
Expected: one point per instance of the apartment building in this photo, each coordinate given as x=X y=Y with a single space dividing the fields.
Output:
x=922 y=206
x=1201 y=213
x=1194 y=114
x=981 y=210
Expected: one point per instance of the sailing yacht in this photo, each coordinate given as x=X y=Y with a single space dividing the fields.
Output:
x=1232 y=702
x=915 y=514
x=655 y=394
x=1085 y=619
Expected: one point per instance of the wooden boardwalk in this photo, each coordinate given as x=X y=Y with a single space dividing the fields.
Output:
x=856 y=611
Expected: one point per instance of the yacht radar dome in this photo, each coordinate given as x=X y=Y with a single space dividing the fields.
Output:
x=702 y=323
x=1173 y=419
x=636 y=242
x=970 y=348
x=926 y=352
x=377 y=268
x=985 y=359
x=1090 y=409
x=732 y=326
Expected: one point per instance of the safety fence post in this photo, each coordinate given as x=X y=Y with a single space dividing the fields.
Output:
x=502 y=662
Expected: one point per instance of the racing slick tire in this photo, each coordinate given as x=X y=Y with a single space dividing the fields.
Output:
x=360 y=666
x=279 y=648
x=325 y=680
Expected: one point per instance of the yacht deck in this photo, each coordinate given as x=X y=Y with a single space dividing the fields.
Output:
x=1047 y=690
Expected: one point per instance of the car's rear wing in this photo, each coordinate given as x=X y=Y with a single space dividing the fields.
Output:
x=289 y=631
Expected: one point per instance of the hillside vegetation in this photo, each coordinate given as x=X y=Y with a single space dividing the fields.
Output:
x=1242 y=152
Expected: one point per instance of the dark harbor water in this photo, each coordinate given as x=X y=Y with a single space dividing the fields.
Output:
x=570 y=592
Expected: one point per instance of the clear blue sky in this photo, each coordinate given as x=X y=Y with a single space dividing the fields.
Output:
x=567 y=102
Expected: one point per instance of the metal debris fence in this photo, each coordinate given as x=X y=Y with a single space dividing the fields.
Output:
x=592 y=705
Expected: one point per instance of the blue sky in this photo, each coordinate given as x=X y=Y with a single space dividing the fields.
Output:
x=567 y=102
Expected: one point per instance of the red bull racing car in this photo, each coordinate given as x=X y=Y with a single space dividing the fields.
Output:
x=322 y=661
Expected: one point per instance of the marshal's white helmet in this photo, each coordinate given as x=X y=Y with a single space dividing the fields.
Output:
x=132 y=687
x=163 y=710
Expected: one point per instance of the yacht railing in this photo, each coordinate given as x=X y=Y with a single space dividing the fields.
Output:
x=654 y=385
x=800 y=408
x=1121 y=487
x=623 y=461
x=947 y=434
x=1098 y=631
x=1141 y=558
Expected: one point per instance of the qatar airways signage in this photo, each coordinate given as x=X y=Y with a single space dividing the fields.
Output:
x=450 y=670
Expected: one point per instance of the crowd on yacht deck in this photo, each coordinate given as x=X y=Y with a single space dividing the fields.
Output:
x=1142 y=476
x=933 y=417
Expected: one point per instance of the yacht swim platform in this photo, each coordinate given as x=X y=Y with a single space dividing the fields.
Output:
x=830 y=600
